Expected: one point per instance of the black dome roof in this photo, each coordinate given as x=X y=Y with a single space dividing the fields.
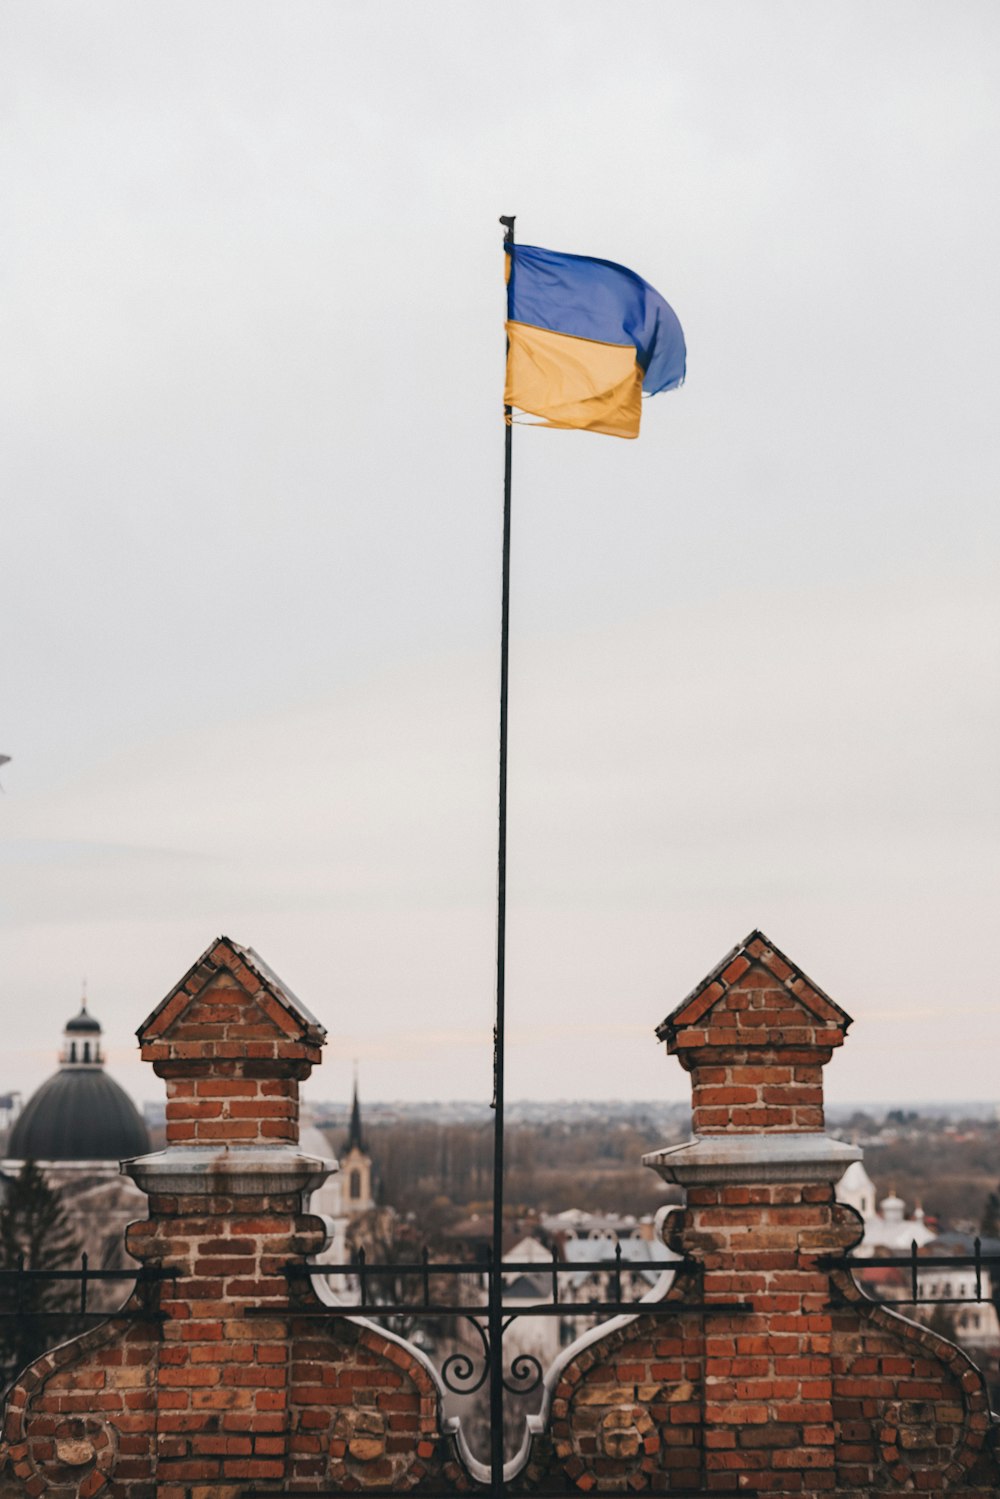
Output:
x=78 y=1115
x=84 y=1022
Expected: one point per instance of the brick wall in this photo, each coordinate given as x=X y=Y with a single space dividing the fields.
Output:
x=237 y=1377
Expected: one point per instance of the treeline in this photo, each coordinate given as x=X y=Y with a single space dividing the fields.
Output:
x=950 y=1175
x=548 y=1167
x=597 y=1167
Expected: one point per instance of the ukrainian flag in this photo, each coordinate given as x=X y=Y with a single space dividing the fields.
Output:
x=586 y=339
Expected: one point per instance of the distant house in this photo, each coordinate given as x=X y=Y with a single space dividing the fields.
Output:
x=575 y=1223
x=581 y=1239
x=977 y=1328
x=888 y=1231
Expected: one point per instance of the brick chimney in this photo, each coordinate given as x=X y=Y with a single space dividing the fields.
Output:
x=226 y=1211
x=759 y=1172
x=232 y=1371
x=755 y=1036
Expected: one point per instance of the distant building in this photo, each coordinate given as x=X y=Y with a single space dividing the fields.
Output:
x=887 y=1228
x=357 y=1182
x=857 y=1189
x=636 y=1272
x=611 y=1228
x=977 y=1328
x=350 y=1191
x=80 y=1118
x=78 y=1127
x=888 y=1231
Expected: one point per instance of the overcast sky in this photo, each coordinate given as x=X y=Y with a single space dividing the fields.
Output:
x=251 y=358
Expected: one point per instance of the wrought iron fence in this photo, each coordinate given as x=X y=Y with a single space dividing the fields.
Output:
x=915 y=1263
x=22 y=1278
x=458 y=1372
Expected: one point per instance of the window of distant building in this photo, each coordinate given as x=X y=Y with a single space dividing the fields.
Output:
x=354 y=1184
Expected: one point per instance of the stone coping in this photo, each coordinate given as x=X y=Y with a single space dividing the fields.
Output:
x=715 y=1160
x=232 y=1171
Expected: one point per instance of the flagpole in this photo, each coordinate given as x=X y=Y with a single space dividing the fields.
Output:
x=496 y=1279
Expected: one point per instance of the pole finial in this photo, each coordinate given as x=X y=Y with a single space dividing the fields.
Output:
x=507 y=220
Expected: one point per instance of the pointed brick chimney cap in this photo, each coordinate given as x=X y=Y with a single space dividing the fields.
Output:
x=759 y=949
x=277 y=1000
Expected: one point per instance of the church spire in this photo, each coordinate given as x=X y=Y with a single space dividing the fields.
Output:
x=354 y=1139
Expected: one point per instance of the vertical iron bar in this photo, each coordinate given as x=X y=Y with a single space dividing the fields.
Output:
x=702 y=1390
x=979 y=1268
x=618 y=1270
x=424 y=1258
x=362 y=1277
x=555 y=1279
x=84 y=1261
x=496 y=1277
x=913 y=1266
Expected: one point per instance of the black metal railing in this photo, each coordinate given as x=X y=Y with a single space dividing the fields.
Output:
x=365 y=1273
x=22 y=1278
x=916 y=1264
x=458 y=1372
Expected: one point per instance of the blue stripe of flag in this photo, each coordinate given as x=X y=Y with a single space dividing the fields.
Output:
x=599 y=300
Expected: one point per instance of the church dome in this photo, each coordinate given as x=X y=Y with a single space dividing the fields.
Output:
x=80 y=1114
x=83 y=1022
